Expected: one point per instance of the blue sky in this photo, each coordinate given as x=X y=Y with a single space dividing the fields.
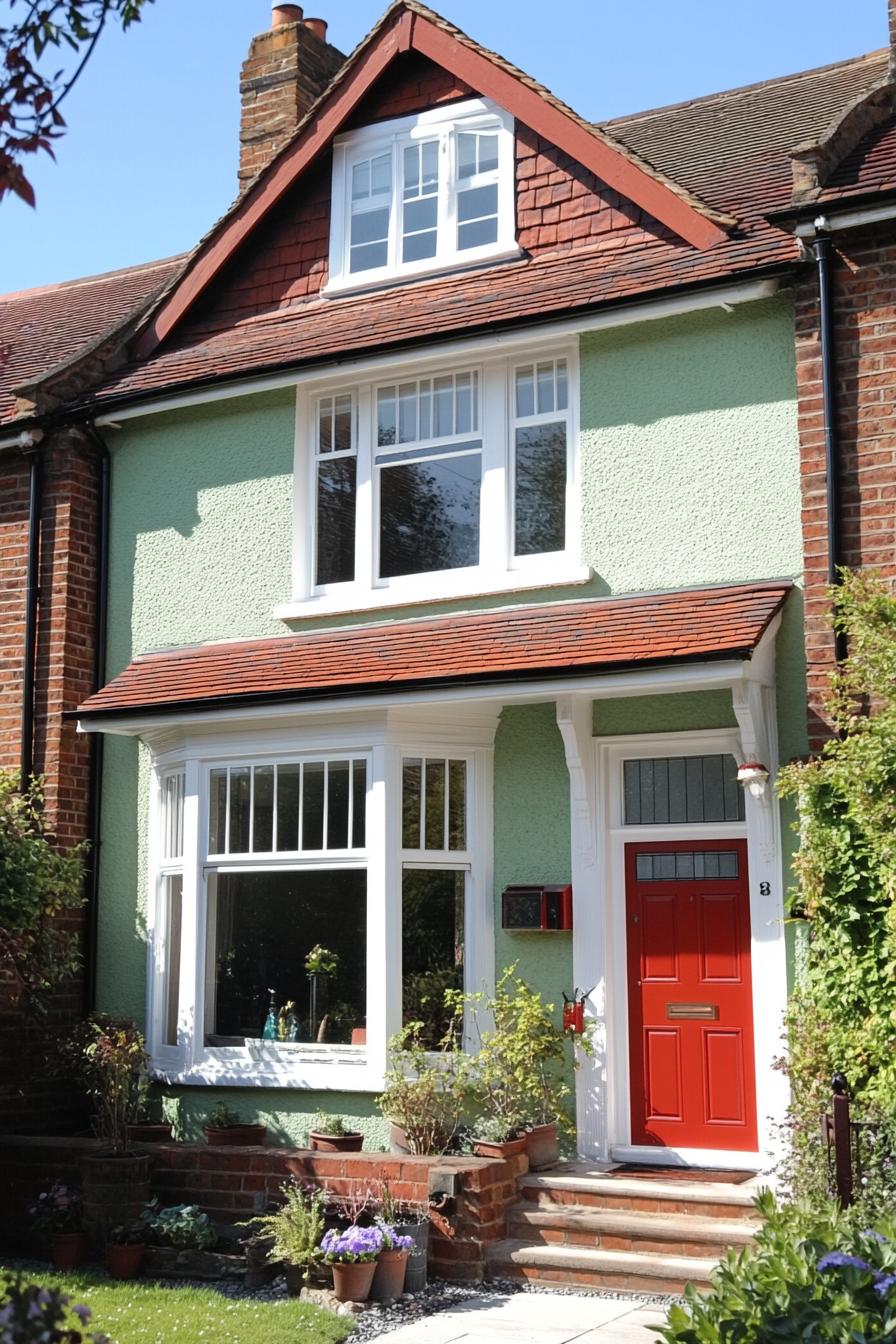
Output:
x=150 y=159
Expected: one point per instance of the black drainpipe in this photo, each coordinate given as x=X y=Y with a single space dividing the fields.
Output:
x=97 y=741
x=824 y=261
x=32 y=600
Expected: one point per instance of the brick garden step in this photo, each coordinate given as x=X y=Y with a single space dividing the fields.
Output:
x=684 y=1234
x=585 y=1267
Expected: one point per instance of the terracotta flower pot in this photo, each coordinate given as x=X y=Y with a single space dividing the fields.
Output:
x=124 y=1261
x=235 y=1135
x=68 y=1249
x=509 y=1148
x=388 y=1279
x=149 y=1133
x=541 y=1146
x=351 y=1283
x=335 y=1143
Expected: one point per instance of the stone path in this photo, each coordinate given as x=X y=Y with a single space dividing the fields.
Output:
x=535 y=1318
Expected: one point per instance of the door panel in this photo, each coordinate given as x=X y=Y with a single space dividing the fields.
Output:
x=690 y=995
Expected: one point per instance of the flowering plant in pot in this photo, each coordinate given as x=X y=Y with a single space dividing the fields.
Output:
x=57 y=1214
x=329 y=1134
x=125 y=1246
x=391 y=1264
x=352 y=1256
x=223 y=1126
x=294 y=1232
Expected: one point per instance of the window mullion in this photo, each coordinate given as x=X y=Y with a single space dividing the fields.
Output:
x=445 y=242
x=366 y=505
x=494 y=547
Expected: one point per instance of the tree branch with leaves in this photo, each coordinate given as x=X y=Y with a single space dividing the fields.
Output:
x=30 y=96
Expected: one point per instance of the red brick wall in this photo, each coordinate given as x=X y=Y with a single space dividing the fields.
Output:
x=865 y=338
x=559 y=206
x=230 y=1184
x=29 y=1097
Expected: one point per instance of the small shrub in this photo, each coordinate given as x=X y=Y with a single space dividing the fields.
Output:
x=109 y=1054
x=56 y=1210
x=812 y=1276
x=222 y=1116
x=31 y=1314
x=296 y=1228
x=182 y=1226
x=333 y=1125
x=426 y=1099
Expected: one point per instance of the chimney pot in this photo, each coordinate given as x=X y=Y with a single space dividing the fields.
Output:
x=284 y=14
x=318 y=28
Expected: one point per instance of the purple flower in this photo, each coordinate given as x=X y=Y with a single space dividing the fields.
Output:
x=884 y=1284
x=875 y=1235
x=355 y=1243
x=838 y=1258
x=395 y=1241
x=83 y=1314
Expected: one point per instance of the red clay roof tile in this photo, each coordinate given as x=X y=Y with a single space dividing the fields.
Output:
x=558 y=639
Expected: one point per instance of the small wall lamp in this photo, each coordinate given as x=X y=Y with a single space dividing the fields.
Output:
x=753 y=775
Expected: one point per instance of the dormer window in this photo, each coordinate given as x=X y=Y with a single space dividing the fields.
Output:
x=421 y=194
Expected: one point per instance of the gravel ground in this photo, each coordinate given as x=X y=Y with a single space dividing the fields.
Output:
x=374 y=1321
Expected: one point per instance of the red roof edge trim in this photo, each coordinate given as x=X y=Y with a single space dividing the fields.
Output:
x=404 y=29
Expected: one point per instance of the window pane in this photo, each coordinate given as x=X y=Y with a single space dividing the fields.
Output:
x=265 y=925
x=680 y=789
x=381 y=175
x=478 y=234
x=525 y=391
x=359 y=804
x=418 y=246
x=466 y=155
x=217 y=820
x=407 y=413
x=343 y=423
x=337 y=804
x=477 y=203
x=420 y=215
x=325 y=425
x=369 y=257
x=336 y=500
x=466 y=411
x=173 y=812
x=173 y=899
x=432 y=926
x=263 y=810
x=386 y=423
x=313 y=805
x=443 y=395
x=457 y=804
x=540 y=489
x=239 y=810
x=288 y=777
x=488 y=153
x=429 y=515
x=370 y=226
x=412 y=769
x=545 y=377
x=434 y=827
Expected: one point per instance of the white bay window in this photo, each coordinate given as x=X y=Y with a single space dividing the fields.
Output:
x=436 y=482
x=307 y=904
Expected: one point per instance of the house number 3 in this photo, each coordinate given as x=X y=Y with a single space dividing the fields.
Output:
x=765 y=888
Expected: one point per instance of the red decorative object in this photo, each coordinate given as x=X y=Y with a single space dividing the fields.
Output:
x=543 y=908
x=574 y=1013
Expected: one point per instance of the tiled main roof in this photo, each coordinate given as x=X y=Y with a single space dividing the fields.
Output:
x=43 y=328
x=560 y=639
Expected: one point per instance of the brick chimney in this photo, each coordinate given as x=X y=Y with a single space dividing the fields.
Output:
x=288 y=67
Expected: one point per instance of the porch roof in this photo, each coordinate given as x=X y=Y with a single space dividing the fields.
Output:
x=512 y=644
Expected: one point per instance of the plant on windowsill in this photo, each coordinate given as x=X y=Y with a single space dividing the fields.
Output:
x=293 y=1233
x=57 y=1215
x=329 y=1134
x=224 y=1128
x=424 y=1099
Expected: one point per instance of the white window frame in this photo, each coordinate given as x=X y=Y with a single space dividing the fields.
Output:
x=443 y=124
x=307 y=1065
x=498 y=570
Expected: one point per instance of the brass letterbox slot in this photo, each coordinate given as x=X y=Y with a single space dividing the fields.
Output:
x=701 y=1012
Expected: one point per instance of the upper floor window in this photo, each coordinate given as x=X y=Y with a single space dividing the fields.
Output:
x=422 y=193
x=446 y=481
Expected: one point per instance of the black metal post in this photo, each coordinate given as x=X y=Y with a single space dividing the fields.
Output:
x=824 y=261
x=842 y=1140
x=32 y=598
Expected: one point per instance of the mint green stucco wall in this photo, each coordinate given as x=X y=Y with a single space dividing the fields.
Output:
x=689 y=463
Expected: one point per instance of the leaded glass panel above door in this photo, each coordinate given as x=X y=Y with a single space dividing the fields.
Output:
x=681 y=790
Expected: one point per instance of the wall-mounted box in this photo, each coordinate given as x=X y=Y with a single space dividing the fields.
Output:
x=537 y=909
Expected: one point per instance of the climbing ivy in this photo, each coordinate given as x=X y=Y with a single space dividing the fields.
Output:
x=843 y=1014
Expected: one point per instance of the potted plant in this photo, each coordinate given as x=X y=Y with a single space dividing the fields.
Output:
x=125 y=1247
x=494 y=1136
x=109 y=1055
x=391 y=1265
x=423 y=1100
x=293 y=1233
x=352 y=1257
x=330 y=1135
x=183 y=1226
x=223 y=1127
x=321 y=964
x=57 y=1215
x=148 y=1125
x=408 y=1218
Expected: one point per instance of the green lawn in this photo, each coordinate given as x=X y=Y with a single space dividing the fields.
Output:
x=141 y=1312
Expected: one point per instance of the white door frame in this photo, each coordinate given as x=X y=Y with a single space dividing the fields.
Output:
x=599 y=941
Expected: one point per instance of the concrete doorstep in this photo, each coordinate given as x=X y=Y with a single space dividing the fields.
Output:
x=536 y=1318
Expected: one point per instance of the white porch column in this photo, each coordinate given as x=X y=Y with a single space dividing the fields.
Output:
x=574 y=719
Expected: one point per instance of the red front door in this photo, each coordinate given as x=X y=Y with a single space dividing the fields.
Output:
x=690 y=999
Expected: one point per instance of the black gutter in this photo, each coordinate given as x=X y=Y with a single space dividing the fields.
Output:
x=824 y=261
x=32 y=601
x=97 y=740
